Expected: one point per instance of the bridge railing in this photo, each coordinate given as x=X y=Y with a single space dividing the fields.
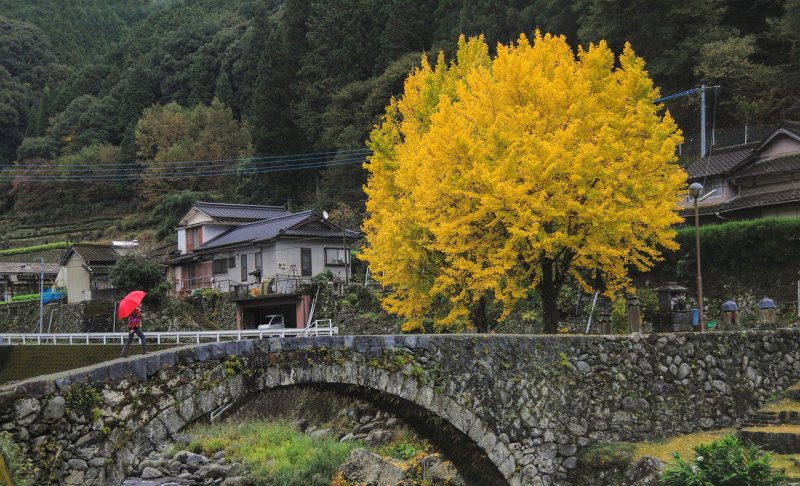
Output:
x=180 y=337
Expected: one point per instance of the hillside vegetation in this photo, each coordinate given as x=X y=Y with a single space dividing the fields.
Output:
x=230 y=80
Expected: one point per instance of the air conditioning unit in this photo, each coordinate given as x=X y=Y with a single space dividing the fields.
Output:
x=282 y=265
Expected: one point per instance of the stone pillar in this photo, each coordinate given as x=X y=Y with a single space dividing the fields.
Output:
x=604 y=323
x=730 y=315
x=634 y=313
x=766 y=311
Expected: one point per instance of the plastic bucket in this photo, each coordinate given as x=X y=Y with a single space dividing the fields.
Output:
x=695 y=317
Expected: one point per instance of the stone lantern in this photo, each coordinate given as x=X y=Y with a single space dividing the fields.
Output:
x=730 y=314
x=672 y=313
x=766 y=311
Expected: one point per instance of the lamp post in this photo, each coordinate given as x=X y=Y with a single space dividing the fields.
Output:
x=695 y=190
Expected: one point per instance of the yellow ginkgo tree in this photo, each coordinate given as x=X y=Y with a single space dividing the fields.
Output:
x=499 y=176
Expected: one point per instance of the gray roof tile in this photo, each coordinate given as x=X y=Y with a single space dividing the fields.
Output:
x=771 y=165
x=762 y=199
x=94 y=253
x=267 y=230
x=721 y=161
x=241 y=212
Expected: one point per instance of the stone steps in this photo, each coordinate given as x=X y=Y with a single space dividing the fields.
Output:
x=776 y=426
x=784 y=439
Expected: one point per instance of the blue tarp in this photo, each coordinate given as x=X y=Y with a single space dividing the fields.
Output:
x=52 y=296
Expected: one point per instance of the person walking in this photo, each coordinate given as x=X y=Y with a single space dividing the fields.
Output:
x=134 y=327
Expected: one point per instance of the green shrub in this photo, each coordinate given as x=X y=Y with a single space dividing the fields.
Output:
x=609 y=454
x=21 y=469
x=32 y=249
x=724 y=462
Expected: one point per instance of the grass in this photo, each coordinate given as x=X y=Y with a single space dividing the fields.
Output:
x=683 y=444
x=777 y=429
x=782 y=405
x=276 y=452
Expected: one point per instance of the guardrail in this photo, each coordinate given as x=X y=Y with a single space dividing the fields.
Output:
x=181 y=337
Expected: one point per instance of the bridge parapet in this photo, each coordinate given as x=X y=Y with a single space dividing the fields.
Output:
x=527 y=404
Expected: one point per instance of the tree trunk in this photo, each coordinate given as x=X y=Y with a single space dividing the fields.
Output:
x=550 y=309
x=479 y=319
x=549 y=288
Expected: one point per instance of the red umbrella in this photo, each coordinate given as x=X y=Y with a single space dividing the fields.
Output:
x=129 y=303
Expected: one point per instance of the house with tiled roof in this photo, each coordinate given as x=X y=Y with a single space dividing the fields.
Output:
x=85 y=272
x=755 y=180
x=264 y=256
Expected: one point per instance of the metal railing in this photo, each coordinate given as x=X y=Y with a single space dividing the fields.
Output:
x=180 y=337
x=319 y=325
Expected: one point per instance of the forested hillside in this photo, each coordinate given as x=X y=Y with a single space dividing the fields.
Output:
x=106 y=106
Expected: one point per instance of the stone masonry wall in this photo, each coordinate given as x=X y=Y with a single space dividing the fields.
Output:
x=529 y=403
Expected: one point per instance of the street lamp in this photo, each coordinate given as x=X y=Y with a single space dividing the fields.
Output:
x=695 y=190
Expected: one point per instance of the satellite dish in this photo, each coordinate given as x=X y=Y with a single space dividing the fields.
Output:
x=325 y=214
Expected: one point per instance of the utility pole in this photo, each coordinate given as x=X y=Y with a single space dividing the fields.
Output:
x=41 y=296
x=702 y=90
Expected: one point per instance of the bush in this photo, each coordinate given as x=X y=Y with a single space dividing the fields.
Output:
x=20 y=469
x=137 y=273
x=724 y=462
x=276 y=453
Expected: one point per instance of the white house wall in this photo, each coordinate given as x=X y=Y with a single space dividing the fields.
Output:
x=77 y=279
x=780 y=145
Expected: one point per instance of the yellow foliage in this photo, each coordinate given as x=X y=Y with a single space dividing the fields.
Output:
x=496 y=176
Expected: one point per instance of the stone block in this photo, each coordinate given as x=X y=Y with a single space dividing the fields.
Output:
x=98 y=374
x=202 y=352
x=232 y=348
x=139 y=369
x=54 y=409
x=246 y=347
x=167 y=359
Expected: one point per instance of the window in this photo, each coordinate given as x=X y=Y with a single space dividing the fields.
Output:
x=220 y=265
x=243 y=261
x=258 y=260
x=231 y=262
x=713 y=189
x=192 y=276
x=194 y=238
x=305 y=262
x=335 y=257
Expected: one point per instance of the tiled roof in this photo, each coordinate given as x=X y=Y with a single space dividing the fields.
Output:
x=701 y=210
x=762 y=199
x=254 y=232
x=95 y=253
x=772 y=165
x=320 y=233
x=241 y=212
x=721 y=160
x=35 y=267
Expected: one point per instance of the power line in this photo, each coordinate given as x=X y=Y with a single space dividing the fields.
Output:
x=266 y=159
x=176 y=173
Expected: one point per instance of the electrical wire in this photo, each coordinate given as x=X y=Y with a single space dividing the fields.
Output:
x=713 y=129
x=173 y=163
x=185 y=173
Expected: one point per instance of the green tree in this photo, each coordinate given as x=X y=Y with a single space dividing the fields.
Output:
x=137 y=273
x=169 y=136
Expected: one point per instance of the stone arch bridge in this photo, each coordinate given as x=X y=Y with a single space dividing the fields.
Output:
x=514 y=409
